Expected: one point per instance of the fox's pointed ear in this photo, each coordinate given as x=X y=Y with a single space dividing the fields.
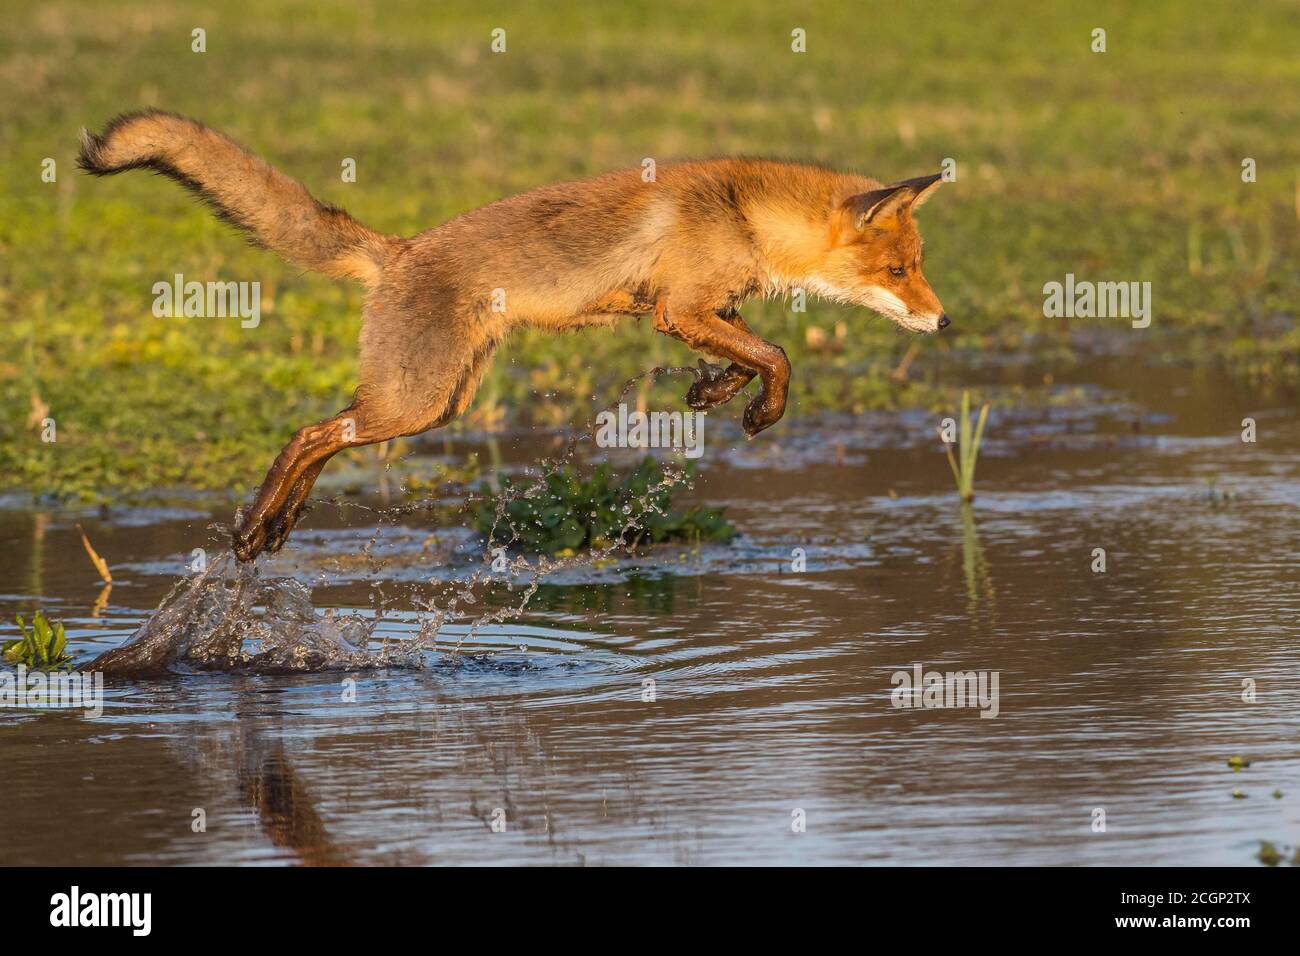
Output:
x=922 y=187
x=856 y=212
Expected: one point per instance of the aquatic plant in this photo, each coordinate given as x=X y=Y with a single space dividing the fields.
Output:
x=562 y=511
x=968 y=448
x=44 y=646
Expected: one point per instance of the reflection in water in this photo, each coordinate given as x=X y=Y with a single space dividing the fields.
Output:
x=269 y=786
x=645 y=593
x=36 y=565
x=979 y=584
x=101 y=602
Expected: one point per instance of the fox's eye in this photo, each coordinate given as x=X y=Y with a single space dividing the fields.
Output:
x=897 y=271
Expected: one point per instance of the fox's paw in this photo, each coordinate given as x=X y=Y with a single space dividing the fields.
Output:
x=276 y=534
x=715 y=386
x=763 y=412
x=249 y=540
x=278 y=528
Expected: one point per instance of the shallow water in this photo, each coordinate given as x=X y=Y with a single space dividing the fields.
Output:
x=1119 y=690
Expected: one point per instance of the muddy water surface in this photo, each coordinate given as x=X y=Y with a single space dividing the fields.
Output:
x=1120 y=691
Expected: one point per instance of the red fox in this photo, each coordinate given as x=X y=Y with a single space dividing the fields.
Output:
x=687 y=247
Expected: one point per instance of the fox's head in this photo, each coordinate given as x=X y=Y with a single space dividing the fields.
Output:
x=876 y=253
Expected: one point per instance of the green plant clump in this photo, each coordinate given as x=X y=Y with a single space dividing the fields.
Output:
x=569 y=513
x=44 y=646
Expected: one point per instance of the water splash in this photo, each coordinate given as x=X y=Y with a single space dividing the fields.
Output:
x=230 y=618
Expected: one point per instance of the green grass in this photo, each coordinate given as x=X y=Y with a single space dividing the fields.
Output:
x=1123 y=165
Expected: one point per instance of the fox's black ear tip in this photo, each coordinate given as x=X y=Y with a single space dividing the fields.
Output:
x=917 y=184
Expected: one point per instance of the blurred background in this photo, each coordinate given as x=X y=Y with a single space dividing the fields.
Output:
x=1123 y=165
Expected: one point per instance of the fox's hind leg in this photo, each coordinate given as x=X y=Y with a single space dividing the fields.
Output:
x=282 y=522
x=268 y=522
x=416 y=377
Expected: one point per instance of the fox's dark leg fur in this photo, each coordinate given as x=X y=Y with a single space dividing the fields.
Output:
x=282 y=522
x=305 y=454
x=704 y=331
x=717 y=386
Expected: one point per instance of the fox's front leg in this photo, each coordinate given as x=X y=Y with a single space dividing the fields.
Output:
x=716 y=386
x=704 y=331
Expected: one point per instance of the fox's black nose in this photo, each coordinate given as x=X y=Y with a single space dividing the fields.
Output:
x=944 y=321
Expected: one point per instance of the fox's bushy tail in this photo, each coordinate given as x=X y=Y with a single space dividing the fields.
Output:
x=275 y=211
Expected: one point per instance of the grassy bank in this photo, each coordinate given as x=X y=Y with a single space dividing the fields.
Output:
x=1123 y=165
